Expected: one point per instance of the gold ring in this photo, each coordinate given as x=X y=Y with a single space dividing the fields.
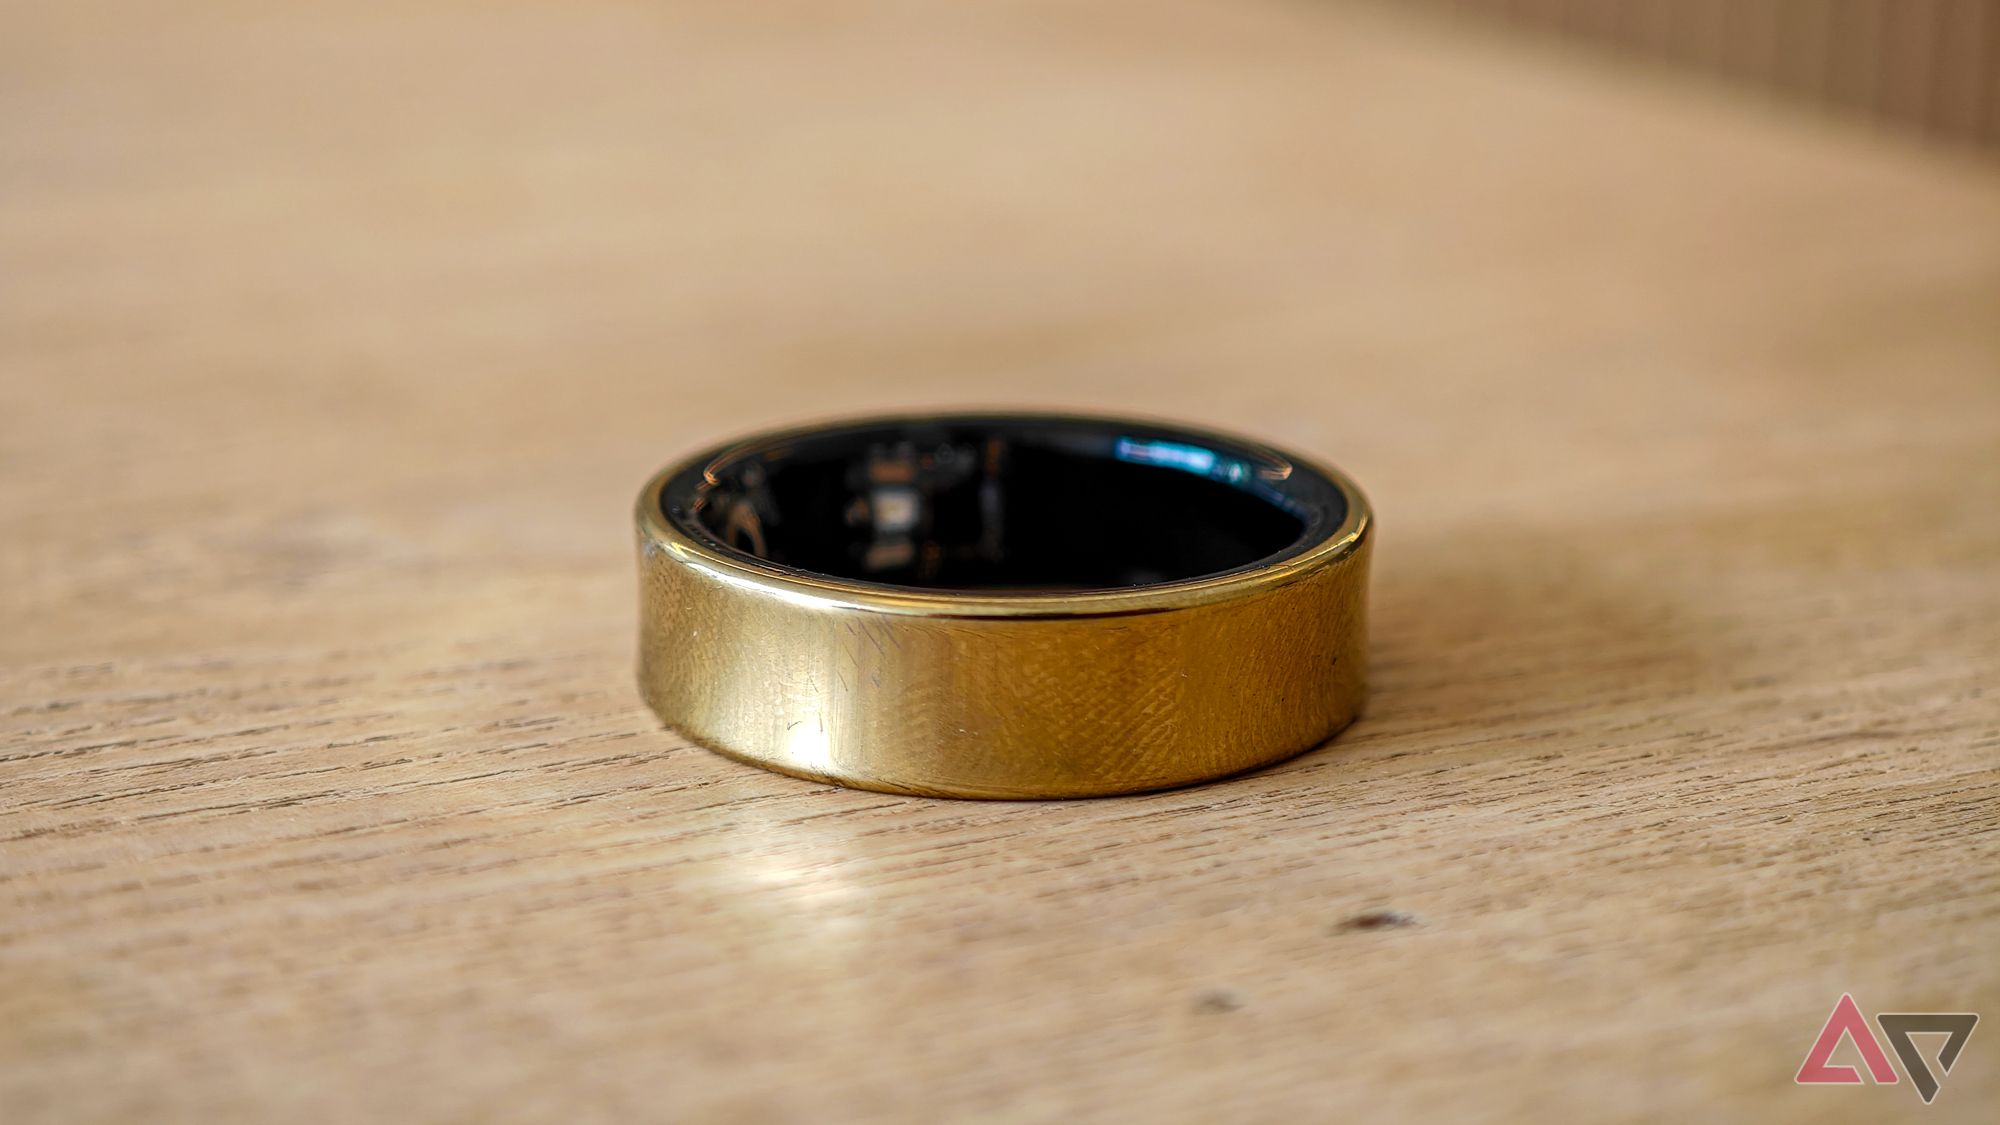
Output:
x=1003 y=605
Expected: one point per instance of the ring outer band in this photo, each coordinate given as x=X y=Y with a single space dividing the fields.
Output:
x=1001 y=696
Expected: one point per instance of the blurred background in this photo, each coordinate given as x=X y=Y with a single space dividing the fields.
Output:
x=1923 y=65
x=336 y=340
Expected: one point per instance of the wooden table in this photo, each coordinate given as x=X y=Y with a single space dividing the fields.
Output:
x=336 y=340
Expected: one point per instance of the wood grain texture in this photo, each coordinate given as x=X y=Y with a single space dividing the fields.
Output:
x=1929 y=66
x=335 y=340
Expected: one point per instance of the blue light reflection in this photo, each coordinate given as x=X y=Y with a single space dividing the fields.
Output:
x=1187 y=458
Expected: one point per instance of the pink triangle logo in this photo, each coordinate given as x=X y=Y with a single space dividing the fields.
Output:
x=1846 y=1020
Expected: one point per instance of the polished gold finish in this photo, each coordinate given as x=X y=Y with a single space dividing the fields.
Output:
x=1002 y=694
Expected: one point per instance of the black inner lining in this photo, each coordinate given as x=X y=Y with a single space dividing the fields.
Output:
x=1004 y=504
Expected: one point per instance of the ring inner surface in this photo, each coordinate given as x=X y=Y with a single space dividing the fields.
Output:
x=1005 y=504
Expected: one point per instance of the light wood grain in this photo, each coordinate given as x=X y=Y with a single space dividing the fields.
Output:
x=1929 y=66
x=335 y=340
